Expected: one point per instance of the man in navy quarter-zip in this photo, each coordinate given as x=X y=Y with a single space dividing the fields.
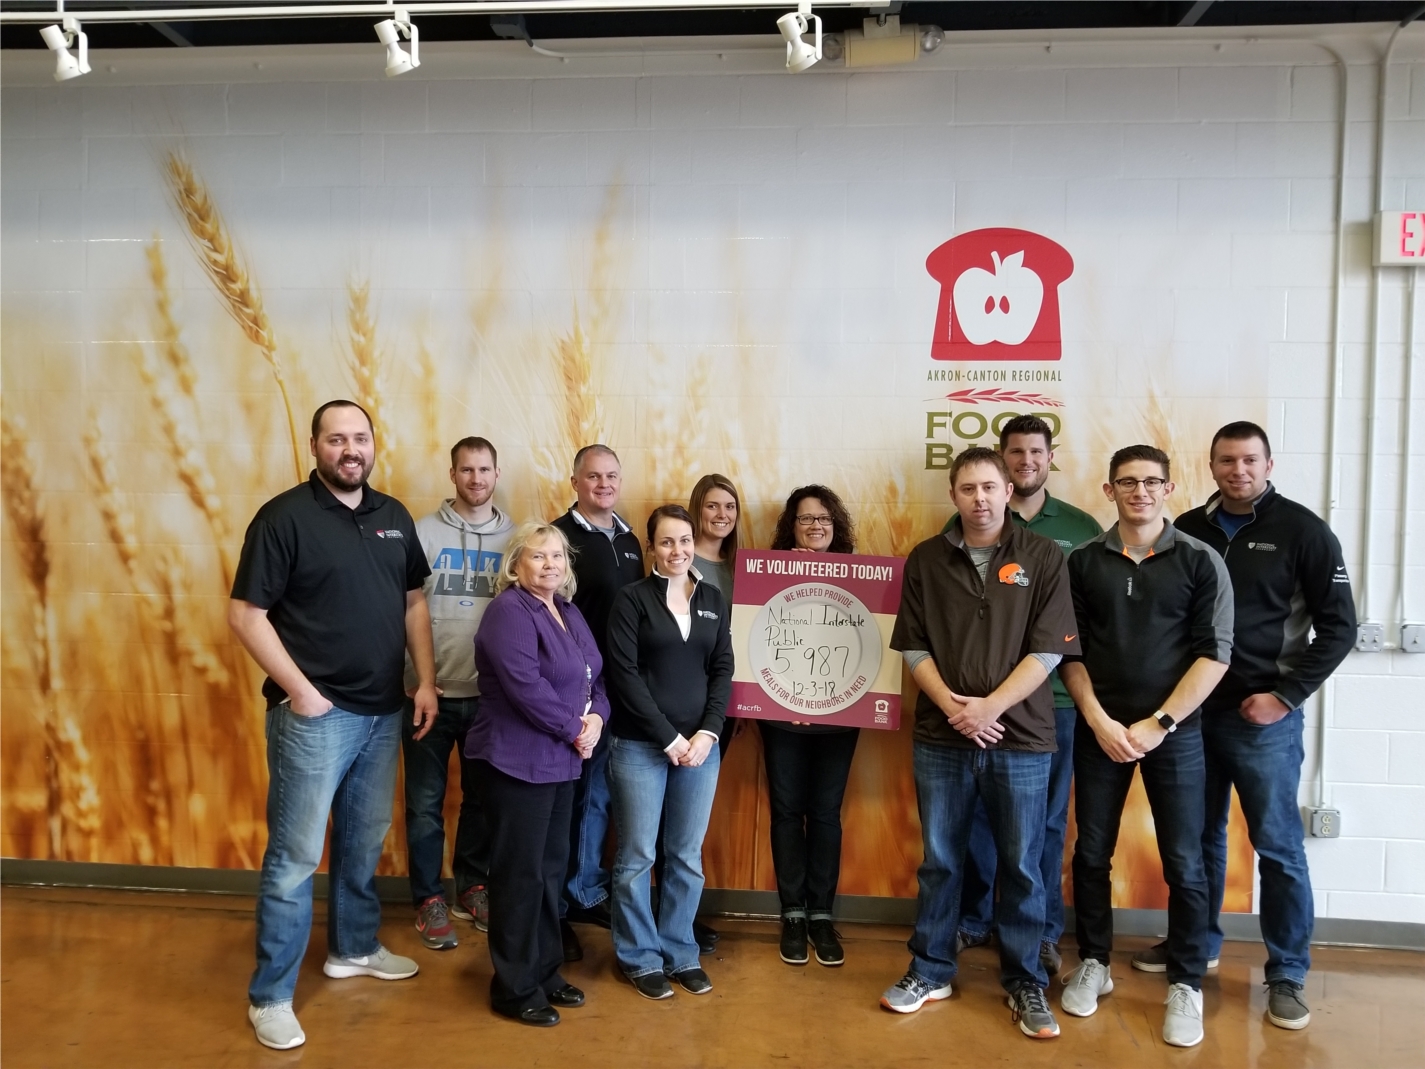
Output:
x=1289 y=581
x=607 y=557
x=1154 y=608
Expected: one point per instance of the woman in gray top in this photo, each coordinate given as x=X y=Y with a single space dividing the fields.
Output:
x=716 y=508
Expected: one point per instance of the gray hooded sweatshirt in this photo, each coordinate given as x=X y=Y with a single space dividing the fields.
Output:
x=464 y=560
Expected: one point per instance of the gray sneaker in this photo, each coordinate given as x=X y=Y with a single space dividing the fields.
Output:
x=910 y=992
x=1155 y=959
x=276 y=1026
x=382 y=964
x=1182 y=1023
x=433 y=924
x=1032 y=1012
x=1083 y=986
x=473 y=905
x=1286 y=1006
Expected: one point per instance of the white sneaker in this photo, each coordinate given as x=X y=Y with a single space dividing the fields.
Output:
x=1182 y=1023
x=276 y=1026
x=383 y=965
x=1083 y=986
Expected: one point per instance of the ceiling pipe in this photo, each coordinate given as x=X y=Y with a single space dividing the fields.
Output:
x=477 y=7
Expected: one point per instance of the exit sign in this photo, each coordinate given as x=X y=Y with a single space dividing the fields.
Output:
x=1400 y=239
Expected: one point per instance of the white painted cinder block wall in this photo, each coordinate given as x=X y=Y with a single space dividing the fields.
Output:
x=1224 y=157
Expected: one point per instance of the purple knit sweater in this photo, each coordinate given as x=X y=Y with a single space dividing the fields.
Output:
x=535 y=678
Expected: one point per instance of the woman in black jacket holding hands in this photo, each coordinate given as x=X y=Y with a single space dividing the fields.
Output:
x=670 y=676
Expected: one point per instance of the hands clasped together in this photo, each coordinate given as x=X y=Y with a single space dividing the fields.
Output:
x=690 y=753
x=975 y=718
x=588 y=738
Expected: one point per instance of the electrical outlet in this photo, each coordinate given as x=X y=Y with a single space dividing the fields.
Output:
x=1370 y=637
x=1412 y=638
x=1325 y=823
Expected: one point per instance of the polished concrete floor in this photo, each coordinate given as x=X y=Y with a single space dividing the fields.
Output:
x=106 y=978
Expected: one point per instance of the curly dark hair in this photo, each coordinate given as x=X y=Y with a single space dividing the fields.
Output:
x=843 y=531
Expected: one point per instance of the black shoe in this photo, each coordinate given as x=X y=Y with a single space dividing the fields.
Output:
x=694 y=981
x=654 y=985
x=1051 y=959
x=568 y=995
x=537 y=1016
x=572 y=950
x=597 y=914
x=705 y=937
x=965 y=940
x=794 y=940
x=826 y=942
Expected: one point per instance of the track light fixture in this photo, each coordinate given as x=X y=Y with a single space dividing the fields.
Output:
x=59 y=39
x=800 y=54
x=389 y=33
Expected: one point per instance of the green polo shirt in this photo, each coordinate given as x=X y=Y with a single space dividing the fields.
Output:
x=1066 y=526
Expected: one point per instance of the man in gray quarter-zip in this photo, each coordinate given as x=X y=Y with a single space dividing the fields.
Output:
x=464 y=542
x=1154 y=609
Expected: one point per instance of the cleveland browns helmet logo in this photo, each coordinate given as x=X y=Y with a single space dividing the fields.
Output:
x=1013 y=575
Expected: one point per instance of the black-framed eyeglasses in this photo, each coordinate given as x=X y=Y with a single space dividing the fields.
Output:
x=1152 y=484
x=815 y=521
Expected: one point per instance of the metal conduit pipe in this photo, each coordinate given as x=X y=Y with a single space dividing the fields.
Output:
x=477 y=7
x=1402 y=613
x=1326 y=696
x=1373 y=353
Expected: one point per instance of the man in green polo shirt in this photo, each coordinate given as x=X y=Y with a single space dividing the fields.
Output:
x=1026 y=443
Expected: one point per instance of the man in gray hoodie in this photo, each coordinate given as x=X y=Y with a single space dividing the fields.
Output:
x=464 y=541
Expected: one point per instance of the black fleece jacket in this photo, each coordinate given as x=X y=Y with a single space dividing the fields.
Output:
x=1288 y=579
x=601 y=568
x=665 y=686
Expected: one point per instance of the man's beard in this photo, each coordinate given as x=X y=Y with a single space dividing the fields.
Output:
x=1028 y=491
x=333 y=474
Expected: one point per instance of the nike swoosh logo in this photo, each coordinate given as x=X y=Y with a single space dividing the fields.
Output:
x=1070 y=638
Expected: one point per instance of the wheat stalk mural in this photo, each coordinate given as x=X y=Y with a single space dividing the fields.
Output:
x=225 y=270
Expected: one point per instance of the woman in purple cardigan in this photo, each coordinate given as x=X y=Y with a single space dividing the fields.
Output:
x=542 y=709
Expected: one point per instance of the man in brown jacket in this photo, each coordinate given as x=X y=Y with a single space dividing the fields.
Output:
x=985 y=617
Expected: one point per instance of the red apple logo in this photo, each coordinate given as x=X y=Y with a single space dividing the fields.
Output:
x=999 y=296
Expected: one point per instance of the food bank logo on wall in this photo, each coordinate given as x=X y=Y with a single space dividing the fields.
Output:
x=999 y=296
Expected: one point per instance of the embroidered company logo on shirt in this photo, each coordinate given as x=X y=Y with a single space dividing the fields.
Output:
x=630 y=556
x=1266 y=546
x=389 y=534
x=1013 y=575
x=707 y=615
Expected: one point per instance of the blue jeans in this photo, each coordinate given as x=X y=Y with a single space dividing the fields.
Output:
x=587 y=881
x=1014 y=786
x=1264 y=764
x=340 y=763
x=427 y=763
x=647 y=789
x=977 y=900
x=1173 y=775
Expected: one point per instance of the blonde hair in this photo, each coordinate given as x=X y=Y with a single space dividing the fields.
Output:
x=535 y=532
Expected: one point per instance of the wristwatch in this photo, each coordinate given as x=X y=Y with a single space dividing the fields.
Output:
x=1165 y=722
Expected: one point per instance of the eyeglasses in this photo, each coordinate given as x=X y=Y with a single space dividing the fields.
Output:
x=815 y=521
x=1152 y=484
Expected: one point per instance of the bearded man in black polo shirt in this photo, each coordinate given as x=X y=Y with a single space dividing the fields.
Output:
x=328 y=599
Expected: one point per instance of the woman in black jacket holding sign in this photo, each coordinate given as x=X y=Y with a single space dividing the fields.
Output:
x=670 y=673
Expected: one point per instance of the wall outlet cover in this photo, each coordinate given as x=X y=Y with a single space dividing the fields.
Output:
x=1325 y=823
x=1370 y=637
x=1412 y=638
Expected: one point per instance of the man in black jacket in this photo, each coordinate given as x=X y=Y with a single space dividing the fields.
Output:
x=985 y=616
x=1154 y=609
x=607 y=557
x=1289 y=580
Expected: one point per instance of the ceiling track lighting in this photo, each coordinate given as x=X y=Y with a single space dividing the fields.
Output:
x=389 y=32
x=801 y=55
x=59 y=39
